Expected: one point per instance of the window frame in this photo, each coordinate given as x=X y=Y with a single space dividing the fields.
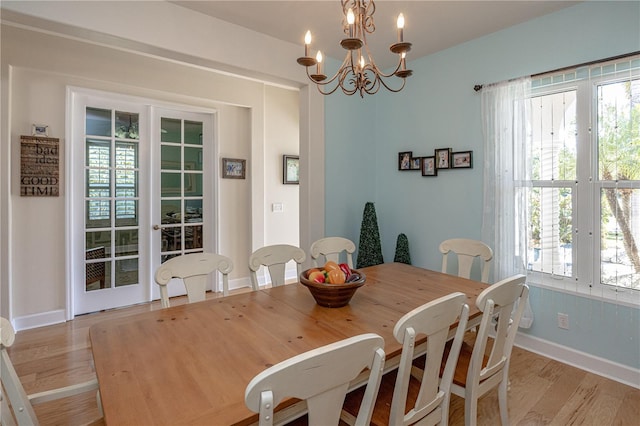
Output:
x=586 y=272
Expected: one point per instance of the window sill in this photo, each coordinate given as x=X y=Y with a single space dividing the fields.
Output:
x=606 y=293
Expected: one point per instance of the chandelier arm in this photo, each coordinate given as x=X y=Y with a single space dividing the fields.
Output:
x=372 y=62
x=404 y=80
x=343 y=66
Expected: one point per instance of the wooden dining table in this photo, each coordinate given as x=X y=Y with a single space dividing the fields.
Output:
x=190 y=364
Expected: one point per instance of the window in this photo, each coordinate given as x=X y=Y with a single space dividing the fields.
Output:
x=583 y=204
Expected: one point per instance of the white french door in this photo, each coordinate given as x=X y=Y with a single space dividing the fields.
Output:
x=183 y=188
x=141 y=192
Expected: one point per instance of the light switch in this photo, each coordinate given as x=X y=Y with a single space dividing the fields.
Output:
x=277 y=207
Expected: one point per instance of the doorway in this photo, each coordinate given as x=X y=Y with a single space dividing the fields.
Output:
x=141 y=193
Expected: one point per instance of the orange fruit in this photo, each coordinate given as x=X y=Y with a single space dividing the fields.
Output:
x=331 y=265
x=336 y=276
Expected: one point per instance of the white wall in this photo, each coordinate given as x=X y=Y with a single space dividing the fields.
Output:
x=37 y=68
x=281 y=137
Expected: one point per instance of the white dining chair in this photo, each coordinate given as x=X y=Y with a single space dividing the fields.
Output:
x=193 y=269
x=330 y=248
x=432 y=320
x=467 y=251
x=275 y=259
x=320 y=377
x=16 y=407
x=502 y=305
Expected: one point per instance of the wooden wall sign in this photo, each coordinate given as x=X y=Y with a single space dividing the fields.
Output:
x=39 y=166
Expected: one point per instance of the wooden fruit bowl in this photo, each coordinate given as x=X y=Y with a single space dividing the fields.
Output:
x=332 y=295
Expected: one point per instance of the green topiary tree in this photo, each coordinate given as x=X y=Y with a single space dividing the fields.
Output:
x=370 y=248
x=402 y=250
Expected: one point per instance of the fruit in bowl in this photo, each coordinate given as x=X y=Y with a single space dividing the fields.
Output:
x=333 y=285
x=333 y=273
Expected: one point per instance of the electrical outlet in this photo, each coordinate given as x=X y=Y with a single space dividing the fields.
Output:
x=563 y=321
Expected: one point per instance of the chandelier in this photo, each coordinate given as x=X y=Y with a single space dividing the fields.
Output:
x=358 y=72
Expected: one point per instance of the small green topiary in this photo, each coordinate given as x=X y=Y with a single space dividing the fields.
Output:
x=370 y=248
x=402 y=250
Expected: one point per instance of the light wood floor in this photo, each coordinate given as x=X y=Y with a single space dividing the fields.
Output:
x=543 y=391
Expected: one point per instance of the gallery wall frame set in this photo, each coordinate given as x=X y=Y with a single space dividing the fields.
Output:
x=442 y=159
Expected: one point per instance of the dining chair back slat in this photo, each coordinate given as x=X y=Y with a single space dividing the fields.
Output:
x=321 y=377
x=467 y=251
x=502 y=305
x=275 y=258
x=331 y=248
x=193 y=269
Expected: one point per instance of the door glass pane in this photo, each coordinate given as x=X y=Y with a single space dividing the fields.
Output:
x=192 y=158
x=100 y=239
x=98 y=213
x=127 y=125
x=170 y=184
x=172 y=238
x=126 y=212
x=126 y=242
x=98 y=122
x=98 y=275
x=126 y=272
x=193 y=210
x=193 y=184
x=620 y=225
x=171 y=130
x=193 y=132
x=170 y=157
x=170 y=211
x=193 y=237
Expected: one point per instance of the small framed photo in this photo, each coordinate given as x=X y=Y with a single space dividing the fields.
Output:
x=462 y=160
x=233 y=168
x=290 y=169
x=416 y=163
x=404 y=160
x=40 y=130
x=429 y=166
x=443 y=158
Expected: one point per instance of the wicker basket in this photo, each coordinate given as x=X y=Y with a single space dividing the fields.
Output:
x=332 y=295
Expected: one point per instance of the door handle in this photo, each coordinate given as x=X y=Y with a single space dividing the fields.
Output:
x=156 y=227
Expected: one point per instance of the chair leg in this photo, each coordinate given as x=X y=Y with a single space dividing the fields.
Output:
x=502 y=401
x=470 y=409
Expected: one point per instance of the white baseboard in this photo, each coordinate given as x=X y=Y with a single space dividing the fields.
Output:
x=39 y=320
x=593 y=364
x=239 y=283
x=290 y=275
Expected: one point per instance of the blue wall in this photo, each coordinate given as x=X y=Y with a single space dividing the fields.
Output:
x=439 y=109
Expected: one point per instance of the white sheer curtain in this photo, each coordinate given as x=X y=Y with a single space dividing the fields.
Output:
x=505 y=116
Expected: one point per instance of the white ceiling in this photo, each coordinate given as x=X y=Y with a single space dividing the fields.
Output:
x=430 y=25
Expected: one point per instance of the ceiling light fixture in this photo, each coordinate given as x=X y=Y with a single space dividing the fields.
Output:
x=358 y=72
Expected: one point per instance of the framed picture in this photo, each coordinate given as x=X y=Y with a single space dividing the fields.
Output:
x=462 y=160
x=416 y=163
x=429 y=166
x=40 y=130
x=404 y=160
x=443 y=158
x=233 y=168
x=290 y=169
